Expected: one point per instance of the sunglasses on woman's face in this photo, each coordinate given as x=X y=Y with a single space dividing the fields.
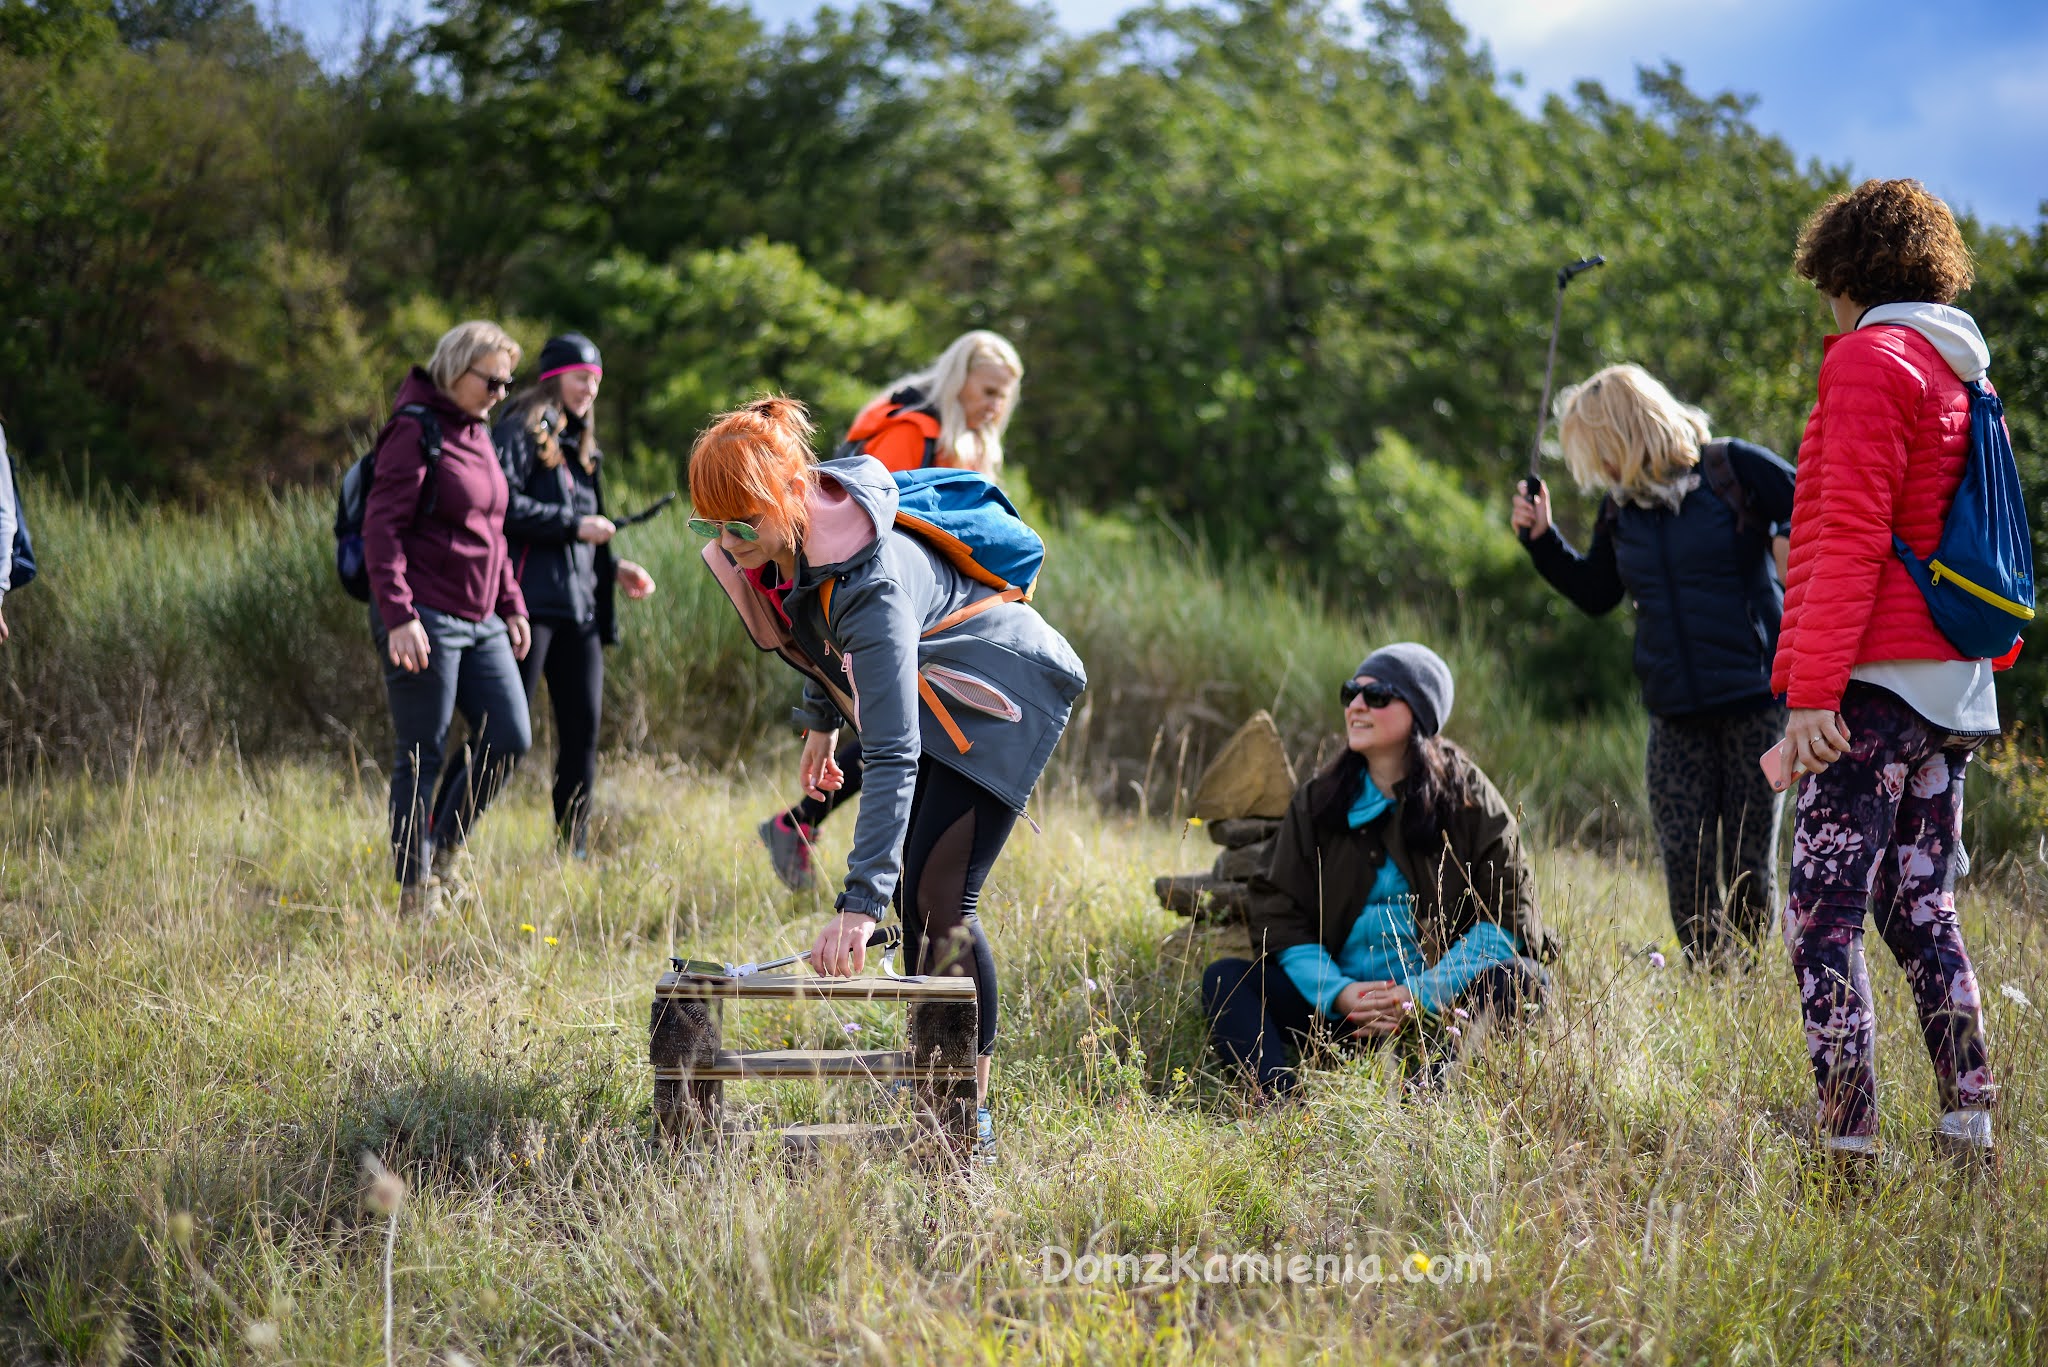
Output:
x=1375 y=696
x=497 y=384
x=711 y=528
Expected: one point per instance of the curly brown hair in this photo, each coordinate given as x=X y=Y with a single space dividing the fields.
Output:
x=1885 y=242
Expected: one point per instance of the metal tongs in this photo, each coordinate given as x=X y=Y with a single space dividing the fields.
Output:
x=882 y=938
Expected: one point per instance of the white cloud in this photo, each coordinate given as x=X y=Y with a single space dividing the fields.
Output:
x=1529 y=26
x=1974 y=135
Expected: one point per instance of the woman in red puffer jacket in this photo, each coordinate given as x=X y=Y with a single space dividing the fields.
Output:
x=1885 y=712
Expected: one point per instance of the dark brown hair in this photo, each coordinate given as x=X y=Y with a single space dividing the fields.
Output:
x=529 y=405
x=1434 y=789
x=1431 y=792
x=1885 y=242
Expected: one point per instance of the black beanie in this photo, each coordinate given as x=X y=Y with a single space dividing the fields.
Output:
x=570 y=351
x=1417 y=676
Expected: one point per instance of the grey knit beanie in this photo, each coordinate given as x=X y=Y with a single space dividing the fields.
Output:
x=1419 y=677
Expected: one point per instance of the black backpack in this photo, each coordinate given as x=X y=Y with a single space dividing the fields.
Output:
x=23 y=552
x=1720 y=475
x=354 y=497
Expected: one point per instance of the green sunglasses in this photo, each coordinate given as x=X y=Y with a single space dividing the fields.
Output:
x=711 y=528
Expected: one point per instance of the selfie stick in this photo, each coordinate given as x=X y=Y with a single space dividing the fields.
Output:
x=645 y=513
x=1534 y=483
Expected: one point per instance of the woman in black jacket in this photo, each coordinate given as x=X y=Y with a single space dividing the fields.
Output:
x=1690 y=530
x=561 y=550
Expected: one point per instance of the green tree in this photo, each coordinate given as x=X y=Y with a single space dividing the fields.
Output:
x=2010 y=303
x=713 y=328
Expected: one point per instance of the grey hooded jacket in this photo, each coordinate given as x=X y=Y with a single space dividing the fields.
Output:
x=1005 y=677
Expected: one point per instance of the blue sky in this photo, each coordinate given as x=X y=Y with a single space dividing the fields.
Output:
x=1953 y=92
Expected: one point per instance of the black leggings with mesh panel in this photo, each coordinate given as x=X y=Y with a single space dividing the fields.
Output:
x=957 y=828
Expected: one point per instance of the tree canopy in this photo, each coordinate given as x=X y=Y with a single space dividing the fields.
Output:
x=1281 y=272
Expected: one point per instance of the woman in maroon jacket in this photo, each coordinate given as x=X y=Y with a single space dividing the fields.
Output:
x=1885 y=711
x=445 y=606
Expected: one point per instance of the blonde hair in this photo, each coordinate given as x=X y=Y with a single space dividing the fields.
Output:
x=1622 y=430
x=463 y=345
x=941 y=383
x=756 y=459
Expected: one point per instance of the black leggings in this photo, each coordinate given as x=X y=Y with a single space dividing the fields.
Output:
x=571 y=657
x=1260 y=1024
x=957 y=828
x=1717 y=827
x=812 y=811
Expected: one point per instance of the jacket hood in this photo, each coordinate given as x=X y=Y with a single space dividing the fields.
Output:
x=905 y=405
x=1953 y=333
x=419 y=387
x=853 y=501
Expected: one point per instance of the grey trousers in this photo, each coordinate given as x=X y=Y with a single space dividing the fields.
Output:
x=469 y=669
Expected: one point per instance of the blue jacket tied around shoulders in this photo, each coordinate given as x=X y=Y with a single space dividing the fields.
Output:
x=1009 y=678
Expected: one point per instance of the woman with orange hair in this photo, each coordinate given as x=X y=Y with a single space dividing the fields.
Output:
x=952 y=413
x=880 y=625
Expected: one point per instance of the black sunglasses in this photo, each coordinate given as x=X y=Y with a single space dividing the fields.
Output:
x=494 y=383
x=1375 y=695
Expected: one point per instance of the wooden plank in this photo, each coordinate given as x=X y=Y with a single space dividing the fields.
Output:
x=735 y=1066
x=812 y=1138
x=782 y=989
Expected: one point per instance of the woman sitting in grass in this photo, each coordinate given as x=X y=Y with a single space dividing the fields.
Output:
x=1398 y=905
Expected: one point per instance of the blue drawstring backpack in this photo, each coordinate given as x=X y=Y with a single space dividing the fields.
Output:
x=973 y=524
x=1979 y=583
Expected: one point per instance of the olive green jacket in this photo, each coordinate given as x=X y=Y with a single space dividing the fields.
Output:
x=1322 y=871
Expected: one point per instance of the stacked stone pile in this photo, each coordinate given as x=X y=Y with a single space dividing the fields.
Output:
x=1221 y=895
x=1239 y=803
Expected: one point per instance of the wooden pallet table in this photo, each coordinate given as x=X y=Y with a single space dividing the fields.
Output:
x=692 y=1066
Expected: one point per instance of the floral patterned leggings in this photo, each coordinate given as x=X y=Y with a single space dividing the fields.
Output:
x=1879 y=830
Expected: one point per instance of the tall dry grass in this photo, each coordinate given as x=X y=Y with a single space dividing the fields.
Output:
x=158 y=631
x=210 y=1013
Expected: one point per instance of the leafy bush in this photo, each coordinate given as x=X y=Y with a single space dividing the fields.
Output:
x=164 y=631
x=714 y=328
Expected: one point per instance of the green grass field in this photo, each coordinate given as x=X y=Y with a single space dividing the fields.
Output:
x=210 y=1015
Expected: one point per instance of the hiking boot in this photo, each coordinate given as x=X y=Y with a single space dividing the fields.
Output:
x=1967 y=1158
x=1846 y=1175
x=1963 y=1141
x=419 y=901
x=454 y=868
x=789 y=849
x=984 y=1152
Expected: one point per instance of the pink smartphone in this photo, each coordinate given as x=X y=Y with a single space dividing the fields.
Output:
x=1773 y=763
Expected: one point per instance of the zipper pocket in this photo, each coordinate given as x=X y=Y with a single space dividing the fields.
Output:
x=969 y=691
x=1941 y=572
